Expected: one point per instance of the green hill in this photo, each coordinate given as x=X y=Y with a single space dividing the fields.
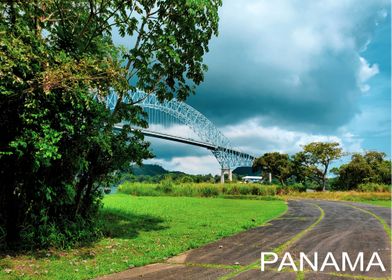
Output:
x=149 y=170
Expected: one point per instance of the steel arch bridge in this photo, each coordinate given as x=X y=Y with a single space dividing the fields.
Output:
x=208 y=135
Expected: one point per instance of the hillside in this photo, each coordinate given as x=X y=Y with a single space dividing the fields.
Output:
x=149 y=170
x=154 y=169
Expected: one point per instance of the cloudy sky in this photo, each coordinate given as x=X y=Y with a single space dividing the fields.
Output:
x=284 y=73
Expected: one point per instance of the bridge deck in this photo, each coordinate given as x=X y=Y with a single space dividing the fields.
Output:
x=160 y=135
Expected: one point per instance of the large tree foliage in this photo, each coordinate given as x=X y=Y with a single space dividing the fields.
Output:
x=301 y=173
x=279 y=165
x=57 y=64
x=307 y=166
x=371 y=167
x=318 y=157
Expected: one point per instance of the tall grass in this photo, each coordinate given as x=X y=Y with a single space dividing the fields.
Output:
x=248 y=191
x=347 y=196
x=374 y=187
x=168 y=188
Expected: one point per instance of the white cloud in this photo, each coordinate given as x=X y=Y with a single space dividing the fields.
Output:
x=365 y=72
x=372 y=121
x=189 y=164
x=177 y=129
x=293 y=36
x=253 y=137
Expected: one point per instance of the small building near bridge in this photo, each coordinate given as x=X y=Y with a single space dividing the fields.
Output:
x=252 y=179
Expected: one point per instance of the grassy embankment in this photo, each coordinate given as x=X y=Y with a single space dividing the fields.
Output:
x=142 y=230
x=168 y=188
x=382 y=203
x=374 y=198
x=251 y=191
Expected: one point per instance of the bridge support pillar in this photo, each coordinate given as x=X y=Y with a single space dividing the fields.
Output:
x=228 y=172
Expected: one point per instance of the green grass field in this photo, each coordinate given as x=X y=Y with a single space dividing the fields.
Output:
x=383 y=198
x=142 y=230
x=383 y=203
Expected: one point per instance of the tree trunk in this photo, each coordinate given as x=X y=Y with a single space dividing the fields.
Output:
x=12 y=221
x=79 y=191
x=324 y=177
x=86 y=200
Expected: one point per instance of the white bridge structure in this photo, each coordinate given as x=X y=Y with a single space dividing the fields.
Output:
x=166 y=114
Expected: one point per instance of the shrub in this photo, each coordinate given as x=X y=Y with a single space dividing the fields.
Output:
x=64 y=234
x=209 y=190
x=294 y=188
x=373 y=187
x=254 y=190
x=232 y=189
x=246 y=190
x=165 y=186
x=268 y=190
x=297 y=187
x=186 y=179
x=138 y=189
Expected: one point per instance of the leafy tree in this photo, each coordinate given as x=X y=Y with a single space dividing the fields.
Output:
x=372 y=167
x=317 y=157
x=277 y=164
x=57 y=65
x=300 y=171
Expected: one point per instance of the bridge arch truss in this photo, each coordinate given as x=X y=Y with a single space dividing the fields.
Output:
x=228 y=157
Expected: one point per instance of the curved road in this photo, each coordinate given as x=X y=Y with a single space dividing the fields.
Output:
x=308 y=226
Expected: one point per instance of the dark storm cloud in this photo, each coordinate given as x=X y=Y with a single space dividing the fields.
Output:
x=300 y=72
x=325 y=99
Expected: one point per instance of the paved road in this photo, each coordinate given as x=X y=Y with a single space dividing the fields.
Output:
x=307 y=226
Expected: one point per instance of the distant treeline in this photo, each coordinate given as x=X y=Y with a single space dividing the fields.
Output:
x=369 y=171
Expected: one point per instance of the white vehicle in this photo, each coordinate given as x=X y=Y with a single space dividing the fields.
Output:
x=252 y=179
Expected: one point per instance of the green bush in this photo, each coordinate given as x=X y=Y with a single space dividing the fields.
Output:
x=245 y=190
x=231 y=189
x=373 y=187
x=138 y=189
x=297 y=187
x=186 y=179
x=64 y=234
x=184 y=190
x=268 y=190
x=294 y=188
x=209 y=190
x=165 y=186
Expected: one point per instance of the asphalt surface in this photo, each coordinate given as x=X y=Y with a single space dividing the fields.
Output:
x=308 y=226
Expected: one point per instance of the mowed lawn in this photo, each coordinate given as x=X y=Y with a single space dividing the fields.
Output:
x=142 y=230
x=383 y=203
